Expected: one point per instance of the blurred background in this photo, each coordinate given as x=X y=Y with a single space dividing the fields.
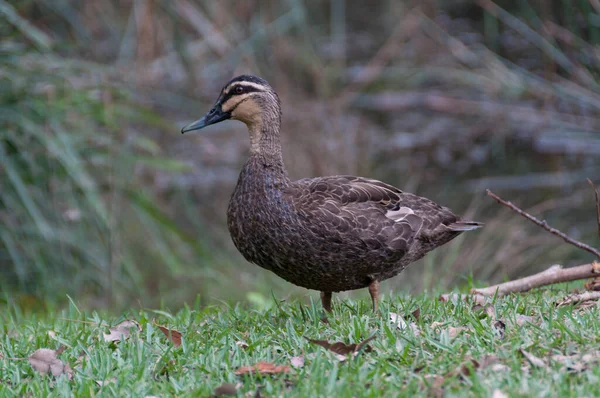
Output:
x=102 y=199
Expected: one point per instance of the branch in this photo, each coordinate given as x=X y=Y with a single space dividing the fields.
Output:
x=597 y=204
x=544 y=225
x=554 y=274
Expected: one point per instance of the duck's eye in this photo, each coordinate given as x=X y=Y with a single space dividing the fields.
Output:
x=239 y=89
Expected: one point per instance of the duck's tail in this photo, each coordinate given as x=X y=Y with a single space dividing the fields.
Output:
x=461 y=226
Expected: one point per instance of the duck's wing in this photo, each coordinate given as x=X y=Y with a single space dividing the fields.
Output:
x=379 y=211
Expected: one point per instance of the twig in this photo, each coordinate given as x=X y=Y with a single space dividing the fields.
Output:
x=544 y=225
x=597 y=203
x=554 y=274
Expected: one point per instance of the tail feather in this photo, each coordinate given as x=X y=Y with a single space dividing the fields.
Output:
x=460 y=226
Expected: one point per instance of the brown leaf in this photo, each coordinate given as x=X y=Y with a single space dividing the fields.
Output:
x=500 y=328
x=263 y=368
x=342 y=348
x=523 y=319
x=478 y=364
x=416 y=314
x=297 y=362
x=452 y=331
x=225 y=390
x=578 y=298
x=242 y=344
x=593 y=285
x=577 y=362
x=121 y=331
x=172 y=335
x=535 y=361
x=45 y=361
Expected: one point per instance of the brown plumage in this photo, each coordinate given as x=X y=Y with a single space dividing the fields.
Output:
x=327 y=233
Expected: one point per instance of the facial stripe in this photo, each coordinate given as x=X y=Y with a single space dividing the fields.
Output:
x=231 y=102
x=248 y=85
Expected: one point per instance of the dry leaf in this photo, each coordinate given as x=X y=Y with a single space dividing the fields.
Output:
x=172 y=335
x=435 y=382
x=121 y=331
x=499 y=368
x=342 y=349
x=578 y=298
x=263 y=368
x=523 y=319
x=535 y=361
x=452 y=331
x=577 y=362
x=416 y=314
x=225 y=390
x=396 y=319
x=500 y=328
x=45 y=361
x=242 y=344
x=297 y=362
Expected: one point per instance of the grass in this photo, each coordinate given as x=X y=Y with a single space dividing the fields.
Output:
x=400 y=362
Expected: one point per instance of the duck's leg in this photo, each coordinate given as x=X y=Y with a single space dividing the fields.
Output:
x=326 y=300
x=374 y=292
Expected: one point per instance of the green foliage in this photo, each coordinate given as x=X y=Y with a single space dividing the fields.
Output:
x=428 y=359
x=73 y=204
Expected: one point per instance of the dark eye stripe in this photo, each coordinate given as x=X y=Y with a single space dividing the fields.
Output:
x=231 y=93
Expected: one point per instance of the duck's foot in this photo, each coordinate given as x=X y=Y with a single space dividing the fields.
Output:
x=326 y=300
x=374 y=292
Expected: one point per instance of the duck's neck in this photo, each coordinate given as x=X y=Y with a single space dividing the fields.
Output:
x=265 y=145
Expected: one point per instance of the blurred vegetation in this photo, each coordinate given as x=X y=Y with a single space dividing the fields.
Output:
x=101 y=198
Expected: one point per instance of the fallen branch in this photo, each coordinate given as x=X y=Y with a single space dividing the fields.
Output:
x=544 y=225
x=597 y=204
x=554 y=274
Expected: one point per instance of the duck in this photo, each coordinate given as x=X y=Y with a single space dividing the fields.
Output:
x=330 y=234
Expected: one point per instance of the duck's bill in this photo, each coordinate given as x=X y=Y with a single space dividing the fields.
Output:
x=215 y=115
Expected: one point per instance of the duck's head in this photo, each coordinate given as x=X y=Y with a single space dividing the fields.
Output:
x=246 y=98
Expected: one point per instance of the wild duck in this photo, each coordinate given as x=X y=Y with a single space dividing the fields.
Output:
x=329 y=234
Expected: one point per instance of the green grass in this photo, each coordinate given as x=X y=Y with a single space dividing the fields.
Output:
x=399 y=364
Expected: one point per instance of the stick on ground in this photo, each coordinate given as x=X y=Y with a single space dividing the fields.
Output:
x=554 y=274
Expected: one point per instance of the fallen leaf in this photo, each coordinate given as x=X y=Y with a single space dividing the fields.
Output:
x=242 y=344
x=452 y=331
x=535 y=361
x=396 y=319
x=500 y=329
x=416 y=314
x=225 y=390
x=499 y=368
x=435 y=382
x=172 y=335
x=263 y=368
x=44 y=361
x=297 y=362
x=523 y=319
x=578 y=298
x=577 y=362
x=342 y=349
x=121 y=331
